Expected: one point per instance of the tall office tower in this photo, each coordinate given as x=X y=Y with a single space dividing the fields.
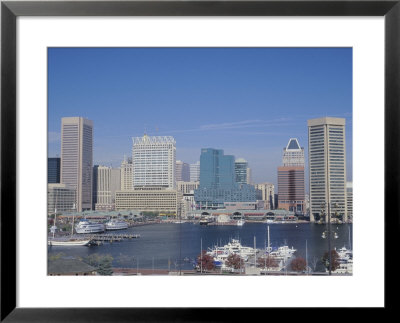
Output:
x=241 y=166
x=266 y=193
x=77 y=159
x=327 y=167
x=218 y=181
x=182 y=171
x=53 y=170
x=291 y=180
x=195 y=172
x=127 y=174
x=154 y=160
x=108 y=181
x=349 y=197
x=94 y=186
x=249 y=176
x=293 y=154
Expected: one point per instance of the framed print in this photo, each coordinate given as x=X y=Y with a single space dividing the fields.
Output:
x=173 y=83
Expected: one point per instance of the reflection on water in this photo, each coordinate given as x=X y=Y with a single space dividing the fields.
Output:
x=160 y=246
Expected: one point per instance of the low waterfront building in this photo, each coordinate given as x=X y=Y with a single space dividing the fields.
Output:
x=252 y=215
x=155 y=200
x=186 y=187
x=240 y=205
x=60 y=197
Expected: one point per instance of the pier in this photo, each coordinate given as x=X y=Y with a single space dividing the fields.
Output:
x=108 y=237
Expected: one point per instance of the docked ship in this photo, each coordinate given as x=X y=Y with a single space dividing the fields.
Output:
x=116 y=225
x=68 y=242
x=220 y=254
x=85 y=226
x=345 y=261
x=240 y=222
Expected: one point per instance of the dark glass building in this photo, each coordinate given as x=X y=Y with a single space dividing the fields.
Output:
x=53 y=170
x=218 y=181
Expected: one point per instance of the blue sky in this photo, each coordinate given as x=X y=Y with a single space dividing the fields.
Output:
x=247 y=101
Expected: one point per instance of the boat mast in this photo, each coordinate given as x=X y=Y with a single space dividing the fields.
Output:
x=306 y=258
x=73 y=219
x=255 y=253
x=269 y=247
x=349 y=239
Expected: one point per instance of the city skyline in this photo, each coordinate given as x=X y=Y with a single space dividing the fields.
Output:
x=246 y=101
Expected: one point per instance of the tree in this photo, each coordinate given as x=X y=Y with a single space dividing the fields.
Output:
x=335 y=260
x=267 y=262
x=234 y=261
x=103 y=263
x=298 y=264
x=205 y=261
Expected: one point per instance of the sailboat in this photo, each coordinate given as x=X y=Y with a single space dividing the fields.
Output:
x=69 y=241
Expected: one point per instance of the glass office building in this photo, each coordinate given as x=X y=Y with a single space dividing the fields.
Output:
x=53 y=170
x=218 y=181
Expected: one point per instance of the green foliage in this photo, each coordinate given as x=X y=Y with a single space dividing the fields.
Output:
x=103 y=263
x=56 y=256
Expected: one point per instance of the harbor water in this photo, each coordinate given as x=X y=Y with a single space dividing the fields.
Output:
x=175 y=246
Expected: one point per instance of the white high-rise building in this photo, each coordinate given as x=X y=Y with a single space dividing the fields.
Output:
x=195 y=172
x=293 y=154
x=154 y=160
x=249 y=176
x=327 y=167
x=127 y=174
x=77 y=159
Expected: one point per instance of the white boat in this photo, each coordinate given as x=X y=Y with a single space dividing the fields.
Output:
x=68 y=242
x=281 y=254
x=345 y=261
x=240 y=222
x=85 y=226
x=233 y=247
x=116 y=225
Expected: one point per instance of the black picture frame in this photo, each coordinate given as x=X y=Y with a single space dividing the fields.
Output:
x=10 y=10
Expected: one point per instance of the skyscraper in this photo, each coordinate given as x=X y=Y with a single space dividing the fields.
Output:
x=241 y=171
x=154 y=160
x=293 y=154
x=266 y=193
x=53 y=170
x=127 y=174
x=218 y=181
x=77 y=158
x=108 y=181
x=327 y=167
x=182 y=172
x=291 y=180
x=195 y=172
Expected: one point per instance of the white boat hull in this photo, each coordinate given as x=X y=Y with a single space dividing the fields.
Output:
x=68 y=242
x=110 y=228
